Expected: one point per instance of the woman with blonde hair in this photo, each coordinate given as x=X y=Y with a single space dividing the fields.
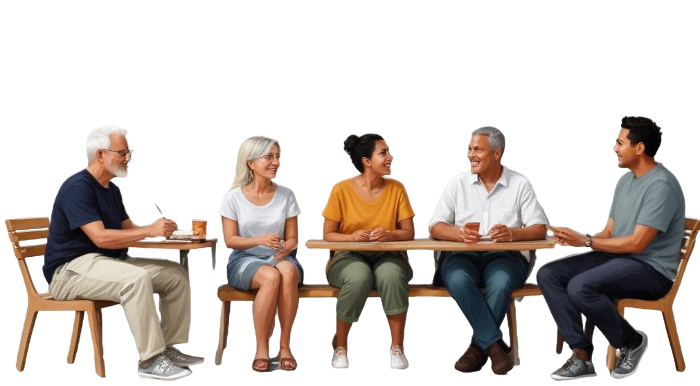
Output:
x=369 y=207
x=259 y=221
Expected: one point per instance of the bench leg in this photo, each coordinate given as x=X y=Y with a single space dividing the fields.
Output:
x=224 y=330
x=513 y=330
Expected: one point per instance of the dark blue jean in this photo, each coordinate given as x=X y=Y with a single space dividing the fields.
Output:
x=481 y=283
x=587 y=284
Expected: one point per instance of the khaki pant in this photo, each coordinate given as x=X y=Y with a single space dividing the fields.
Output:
x=132 y=283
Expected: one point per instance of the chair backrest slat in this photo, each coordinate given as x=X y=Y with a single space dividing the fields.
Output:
x=691 y=232
x=21 y=224
x=31 y=251
x=29 y=235
x=24 y=229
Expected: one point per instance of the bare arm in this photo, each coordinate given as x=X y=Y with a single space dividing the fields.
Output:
x=500 y=233
x=404 y=232
x=331 y=232
x=291 y=237
x=123 y=238
x=235 y=241
x=607 y=232
x=603 y=241
x=442 y=231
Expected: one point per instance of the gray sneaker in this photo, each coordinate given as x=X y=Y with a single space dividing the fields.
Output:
x=629 y=359
x=162 y=368
x=180 y=359
x=574 y=368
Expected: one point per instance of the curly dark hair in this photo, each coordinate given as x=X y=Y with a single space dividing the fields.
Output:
x=360 y=147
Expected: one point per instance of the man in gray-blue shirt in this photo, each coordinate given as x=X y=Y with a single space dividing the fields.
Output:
x=635 y=256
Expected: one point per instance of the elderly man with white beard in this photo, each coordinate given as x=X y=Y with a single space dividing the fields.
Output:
x=86 y=258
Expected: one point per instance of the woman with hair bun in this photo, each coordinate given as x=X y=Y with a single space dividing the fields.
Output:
x=259 y=220
x=369 y=207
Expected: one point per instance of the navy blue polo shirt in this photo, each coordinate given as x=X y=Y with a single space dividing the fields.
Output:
x=81 y=200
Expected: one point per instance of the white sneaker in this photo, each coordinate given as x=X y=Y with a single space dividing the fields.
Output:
x=340 y=358
x=162 y=368
x=398 y=359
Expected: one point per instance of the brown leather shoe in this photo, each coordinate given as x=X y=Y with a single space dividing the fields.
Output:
x=501 y=363
x=472 y=360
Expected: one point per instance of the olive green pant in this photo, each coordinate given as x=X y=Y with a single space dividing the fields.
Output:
x=356 y=274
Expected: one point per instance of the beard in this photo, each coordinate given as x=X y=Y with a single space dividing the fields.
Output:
x=118 y=171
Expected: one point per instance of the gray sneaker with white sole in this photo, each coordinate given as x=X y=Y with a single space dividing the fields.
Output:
x=161 y=368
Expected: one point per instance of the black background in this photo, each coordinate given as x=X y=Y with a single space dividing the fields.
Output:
x=560 y=130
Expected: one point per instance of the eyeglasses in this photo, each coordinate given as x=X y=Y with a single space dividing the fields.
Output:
x=122 y=153
x=270 y=157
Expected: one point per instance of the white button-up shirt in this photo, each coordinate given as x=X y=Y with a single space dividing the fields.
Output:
x=511 y=202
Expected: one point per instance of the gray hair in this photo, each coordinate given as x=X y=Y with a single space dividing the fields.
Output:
x=496 y=139
x=251 y=149
x=99 y=139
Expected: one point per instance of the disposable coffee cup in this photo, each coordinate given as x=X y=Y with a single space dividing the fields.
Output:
x=474 y=226
x=199 y=228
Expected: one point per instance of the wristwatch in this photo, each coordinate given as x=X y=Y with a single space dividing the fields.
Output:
x=589 y=242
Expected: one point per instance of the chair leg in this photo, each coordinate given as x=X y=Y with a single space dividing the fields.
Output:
x=673 y=339
x=560 y=341
x=513 y=330
x=610 y=357
x=96 y=332
x=29 y=321
x=224 y=330
x=75 y=338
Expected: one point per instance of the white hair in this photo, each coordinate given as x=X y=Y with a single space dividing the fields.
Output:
x=99 y=139
x=251 y=149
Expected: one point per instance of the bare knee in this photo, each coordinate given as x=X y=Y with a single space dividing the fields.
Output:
x=267 y=277
x=289 y=273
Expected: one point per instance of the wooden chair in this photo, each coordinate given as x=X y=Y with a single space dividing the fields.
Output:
x=666 y=306
x=37 y=229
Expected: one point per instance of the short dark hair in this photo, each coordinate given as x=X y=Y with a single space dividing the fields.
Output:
x=359 y=147
x=643 y=130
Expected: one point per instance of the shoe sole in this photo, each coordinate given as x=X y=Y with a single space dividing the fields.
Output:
x=478 y=370
x=340 y=365
x=502 y=374
x=341 y=368
x=625 y=377
x=398 y=368
x=560 y=378
x=161 y=378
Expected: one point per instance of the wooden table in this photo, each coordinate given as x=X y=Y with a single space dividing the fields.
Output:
x=431 y=245
x=183 y=246
x=429 y=290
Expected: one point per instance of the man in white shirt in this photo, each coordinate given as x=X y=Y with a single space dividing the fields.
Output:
x=503 y=204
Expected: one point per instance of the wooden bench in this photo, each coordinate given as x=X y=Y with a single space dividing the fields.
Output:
x=228 y=294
